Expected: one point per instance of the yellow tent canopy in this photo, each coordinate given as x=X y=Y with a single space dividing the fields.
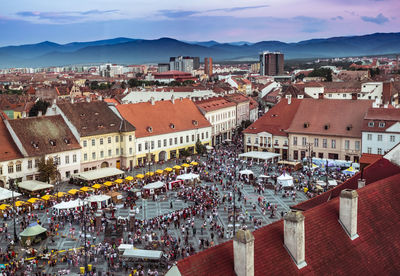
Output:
x=159 y=171
x=60 y=194
x=86 y=189
x=177 y=167
x=97 y=186
x=194 y=163
x=47 y=197
x=108 y=183
x=168 y=169
x=119 y=181
x=19 y=203
x=185 y=165
x=129 y=178
x=33 y=199
x=149 y=174
x=4 y=206
x=73 y=191
x=140 y=176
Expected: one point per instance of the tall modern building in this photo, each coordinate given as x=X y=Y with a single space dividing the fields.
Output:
x=271 y=63
x=184 y=64
x=208 y=66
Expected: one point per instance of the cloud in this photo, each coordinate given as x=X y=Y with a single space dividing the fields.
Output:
x=379 y=19
x=337 y=18
x=63 y=17
x=185 y=13
x=98 y=12
x=239 y=8
x=176 y=13
x=310 y=24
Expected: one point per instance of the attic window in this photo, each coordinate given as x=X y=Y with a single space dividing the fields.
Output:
x=100 y=126
x=371 y=124
x=67 y=141
x=82 y=114
x=52 y=142
x=150 y=129
x=112 y=124
x=172 y=125
x=274 y=115
x=381 y=124
x=326 y=127
x=35 y=144
x=195 y=122
x=96 y=113
x=349 y=127
x=84 y=127
x=306 y=125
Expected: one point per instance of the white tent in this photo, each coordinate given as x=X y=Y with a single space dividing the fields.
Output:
x=124 y=246
x=99 y=198
x=34 y=185
x=70 y=204
x=260 y=155
x=263 y=176
x=285 y=180
x=188 y=176
x=6 y=194
x=246 y=172
x=331 y=182
x=143 y=254
x=154 y=185
x=99 y=173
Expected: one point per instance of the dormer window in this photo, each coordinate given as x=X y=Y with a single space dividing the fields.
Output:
x=150 y=129
x=172 y=125
x=35 y=144
x=326 y=127
x=349 y=127
x=306 y=125
x=52 y=142
x=195 y=122
x=84 y=127
x=112 y=124
x=82 y=114
x=371 y=124
x=96 y=113
x=381 y=124
x=67 y=141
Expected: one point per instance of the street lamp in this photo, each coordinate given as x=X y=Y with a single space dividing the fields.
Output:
x=309 y=149
x=11 y=186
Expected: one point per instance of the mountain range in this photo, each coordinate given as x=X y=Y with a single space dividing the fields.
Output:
x=138 y=51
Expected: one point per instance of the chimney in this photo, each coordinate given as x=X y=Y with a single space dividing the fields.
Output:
x=72 y=100
x=348 y=212
x=243 y=253
x=24 y=114
x=173 y=99
x=40 y=113
x=294 y=237
x=289 y=99
x=361 y=183
x=88 y=99
x=152 y=101
x=320 y=95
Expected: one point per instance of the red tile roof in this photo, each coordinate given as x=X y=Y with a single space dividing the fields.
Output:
x=340 y=117
x=8 y=149
x=214 y=104
x=277 y=119
x=369 y=158
x=328 y=249
x=182 y=114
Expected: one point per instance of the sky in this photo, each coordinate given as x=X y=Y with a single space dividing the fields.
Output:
x=28 y=21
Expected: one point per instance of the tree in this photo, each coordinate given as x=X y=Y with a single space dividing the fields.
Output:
x=245 y=124
x=39 y=106
x=47 y=170
x=185 y=153
x=94 y=85
x=200 y=148
x=123 y=85
x=322 y=72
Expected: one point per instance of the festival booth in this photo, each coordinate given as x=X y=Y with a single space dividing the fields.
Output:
x=116 y=197
x=34 y=233
x=291 y=164
x=34 y=187
x=247 y=173
x=99 y=201
x=7 y=194
x=123 y=246
x=189 y=178
x=173 y=184
x=154 y=188
x=102 y=173
x=350 y=171
x=67 y=205
x=286 y=181
x=142 y=254
x=322 y=183
x=260 y=156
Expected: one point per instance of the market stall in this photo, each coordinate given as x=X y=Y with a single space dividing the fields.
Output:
x=34 y=233
x=66 y=205
x=189 y=178
x=99 y=201
x=174 y=184
x=7 y=194
x=154 y=188
x=260 y=156
x=116 y=197
x=34 y=186
x=101 y=173
x=285 y=180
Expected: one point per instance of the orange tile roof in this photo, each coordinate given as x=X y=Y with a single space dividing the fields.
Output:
x=8 y=150
x=160 y=116
x=214 y=104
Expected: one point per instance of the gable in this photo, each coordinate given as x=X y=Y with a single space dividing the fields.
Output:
x=394 y=128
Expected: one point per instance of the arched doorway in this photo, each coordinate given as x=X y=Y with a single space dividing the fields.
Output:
x=104 y=165
x=162 y=156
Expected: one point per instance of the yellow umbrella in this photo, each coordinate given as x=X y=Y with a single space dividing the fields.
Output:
x=108 y=183
x=47 y=197
x=86 y=189
x=168 y=169
x=73 y=191
x=129 y=178
x=118 y=181
x=19 y=203
x=33 y=199
x=159 y=171
x=149 y=174
x=177 y=167
x=194 y=163
x=60 y=194
x=4 y=206
x=185 y=165
x=97 y=186
x=140 y=176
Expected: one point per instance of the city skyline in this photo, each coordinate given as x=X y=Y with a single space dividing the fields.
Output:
x=25 y=22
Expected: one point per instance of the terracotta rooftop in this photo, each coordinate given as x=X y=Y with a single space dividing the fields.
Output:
x=330 y=117
x=163 y=117
x=44 y=135
x=277 y=119
x=214 y=104
x=94 y=118
x=328 y=248
x=8 y=149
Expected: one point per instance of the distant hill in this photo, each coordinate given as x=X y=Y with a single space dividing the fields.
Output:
x=136 y=51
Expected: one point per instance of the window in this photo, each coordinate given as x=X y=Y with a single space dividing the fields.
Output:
x=333 y=144
x=116 y=139
x=10 y=168
x=381 y=124
x=256 y=141
x=202 y=136
x=379 y=151
x=369 y=137
x=1 y=170
x=18 y=167
x=304 y=141
x=207 y=135
x=101 y=141
x=316 y=141
x=187 y=138
x=130 y=138
x=93 y=155
x=139 y=147
x=159 y=143
x=165 y=142
x=122 y=138
x=74 y=158
x=357 y=145
x=130 y=151
x=117 y=151
x=379 y=137
x=146 y=145
x=176 y=140
x=85 y=156
x=344 y=95
x=295 y=155
x=392 y=138
x=36 y=163
x=152 y=144
x=84 y=143
x=170 y=141
x=29 y=164
x=109 y=140
x=181 y=139
x=324 y=143
x=295 y=142
x=67 y=174
x=101 y=154
x=192 y=137
x=109 y=152
x=347 y=144
x=93 y=142
x=67 y=159
x=248 y=140
x=371 y=124
x=122 y=151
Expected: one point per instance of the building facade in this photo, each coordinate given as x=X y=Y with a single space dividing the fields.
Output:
x=271 y=63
